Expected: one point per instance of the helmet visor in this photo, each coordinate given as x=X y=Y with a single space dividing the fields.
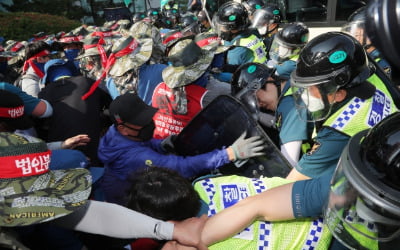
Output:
x=191 y=29
x=353 y=219
x=281 y=51
x=356 y=30
x=314 y=103
x=261 y=19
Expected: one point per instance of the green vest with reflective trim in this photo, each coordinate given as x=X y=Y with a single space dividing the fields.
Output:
x=221 y=192
x=256 y=45
x=358 y=114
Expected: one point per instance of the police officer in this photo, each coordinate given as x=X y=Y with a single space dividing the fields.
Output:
x=232 y=25
x=356 y=28
x=253 y=5
x=267 y=20
x=286 y=47
x=274 y=108
x=330 y=81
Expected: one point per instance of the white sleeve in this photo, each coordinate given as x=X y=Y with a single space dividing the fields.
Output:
x=291 y=151
x=49 y=109
x=117 y=221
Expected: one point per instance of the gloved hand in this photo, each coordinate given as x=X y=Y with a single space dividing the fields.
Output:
x=246 y=148
x=168 y=144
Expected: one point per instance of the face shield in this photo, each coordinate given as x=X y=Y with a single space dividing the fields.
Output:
x=281 y=51
x=357 y=30
x=261 y=21
x=247 y=95
x=192 y=29
x=362 y=212
x=314 y=96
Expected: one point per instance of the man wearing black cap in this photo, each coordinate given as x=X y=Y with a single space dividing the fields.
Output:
x=128 y=146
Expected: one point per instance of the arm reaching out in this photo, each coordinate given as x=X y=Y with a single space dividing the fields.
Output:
x=272 y=205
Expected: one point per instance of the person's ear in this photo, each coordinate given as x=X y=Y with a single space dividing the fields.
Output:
x=340 y=95
x=121 y=129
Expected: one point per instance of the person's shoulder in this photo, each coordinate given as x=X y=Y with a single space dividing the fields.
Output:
x=9 y=87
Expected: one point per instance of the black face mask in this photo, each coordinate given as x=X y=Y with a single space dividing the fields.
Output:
x=146 y=133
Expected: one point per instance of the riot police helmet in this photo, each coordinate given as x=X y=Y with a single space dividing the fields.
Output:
x=252 y=5
x=190 y=24
x=363 y=211
x=247 y=80
x=383 y=26
x=154 y=15
x=356 y=27
x=231 y=18
x=289 y=41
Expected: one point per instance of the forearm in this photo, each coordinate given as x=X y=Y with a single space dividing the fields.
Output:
x=272 y=205
x=229 y=222
x=119 y=222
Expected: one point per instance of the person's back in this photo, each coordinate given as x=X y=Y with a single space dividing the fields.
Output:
x=180 y=97
x=72 y=115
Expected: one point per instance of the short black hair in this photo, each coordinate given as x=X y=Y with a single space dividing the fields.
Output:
x=163 y=194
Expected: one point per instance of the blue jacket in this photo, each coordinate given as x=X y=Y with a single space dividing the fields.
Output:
x=122 y=156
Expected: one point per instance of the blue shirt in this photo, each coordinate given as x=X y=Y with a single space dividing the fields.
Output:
x=122 y=156
x=30 y=102
x=149 y=77
x=284 y=69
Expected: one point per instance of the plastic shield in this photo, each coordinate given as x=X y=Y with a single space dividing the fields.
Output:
x=220 y=124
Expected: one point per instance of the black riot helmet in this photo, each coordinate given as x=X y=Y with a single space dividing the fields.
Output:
x=190 y=24
x=294 y=34
x=154 y=15
x=383 y=27
x=246 y=80
x=231 y=16
x=363 y=211
x=330 y=61
x=264 y=17
x=356 y=27
x=173 y=16
x=252 y=5
x=288 y=41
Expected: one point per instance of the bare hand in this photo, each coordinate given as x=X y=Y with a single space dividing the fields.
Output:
x=188 y=232
x=75 y=141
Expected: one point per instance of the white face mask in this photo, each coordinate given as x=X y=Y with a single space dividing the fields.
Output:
x=262 y=30
x=284 y=52
x=313 y=103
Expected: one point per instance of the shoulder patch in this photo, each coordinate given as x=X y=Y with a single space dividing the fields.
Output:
x=314 y=148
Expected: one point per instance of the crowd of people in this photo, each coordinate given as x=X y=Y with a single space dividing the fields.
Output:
x=89 y=121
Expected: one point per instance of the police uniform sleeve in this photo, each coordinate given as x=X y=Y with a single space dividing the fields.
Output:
x=324 y=154
x=309 y=196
